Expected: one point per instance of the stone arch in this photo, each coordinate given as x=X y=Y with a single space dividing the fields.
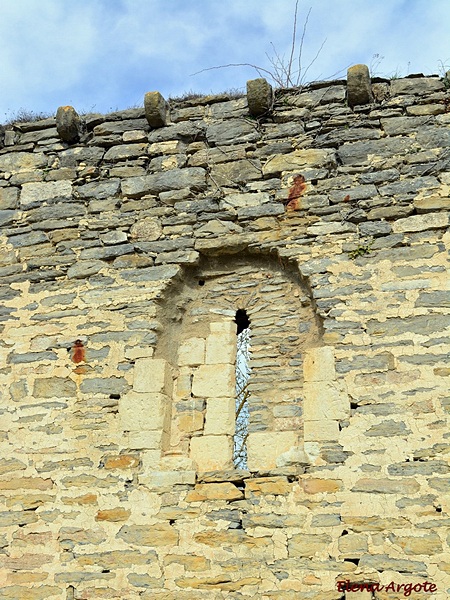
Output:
x=185 y=393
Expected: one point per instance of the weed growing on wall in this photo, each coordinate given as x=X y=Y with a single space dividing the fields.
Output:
x=25 y=116
x=361 y=250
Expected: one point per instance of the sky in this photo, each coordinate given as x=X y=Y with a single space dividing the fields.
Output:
x=104 y=55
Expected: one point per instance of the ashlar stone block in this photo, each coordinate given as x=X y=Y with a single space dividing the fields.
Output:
x=319 y=364
x=147 y=439
x=314 y=485
x=312 y=451
x=353 y=545
x=176 y=462
x=214 y=381
x=165 y=480
x=324 y=400
x=169 y=147
x=324 y=430
x=54 y=387
x=133 y=353
x=212 y=452
x=227 y=328
x=263 y=448
x=219 y=349
x=183 y=383
x=299 y=159
x=220 y=416
x=36 y=193
x=146 y=230
x=421 y=222
x=308 y=545
x=192 y=352
x=150 y=460
x=190 y=421
x=152 y=375
x=293 y=457
x=214 y=491
x=144 y=411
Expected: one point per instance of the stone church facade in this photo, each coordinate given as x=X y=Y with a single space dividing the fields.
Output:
x=131 y=245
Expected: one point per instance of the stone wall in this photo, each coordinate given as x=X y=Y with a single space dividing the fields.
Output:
x=128 y=242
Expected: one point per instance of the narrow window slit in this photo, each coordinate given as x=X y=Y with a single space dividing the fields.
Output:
x=242 y=391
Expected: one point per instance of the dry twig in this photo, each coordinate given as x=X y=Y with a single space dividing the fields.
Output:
x=283 y=74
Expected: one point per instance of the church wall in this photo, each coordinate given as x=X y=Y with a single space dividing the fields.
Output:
x=128 y=242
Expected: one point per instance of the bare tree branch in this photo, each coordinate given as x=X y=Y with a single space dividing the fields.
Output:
x=294 y=38
x=282 y=72
x=258 y=69
x=242 y=396
x=300 y=52
x=315 y=58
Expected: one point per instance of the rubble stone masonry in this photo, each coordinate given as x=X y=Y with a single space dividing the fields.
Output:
x=128 y=242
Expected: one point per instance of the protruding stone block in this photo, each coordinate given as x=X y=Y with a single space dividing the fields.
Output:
x=68 y=124
x=155 y=109
x=264 y=448
x=353 y=545
x=359 y=87
x=212 y=452
x=259 y=97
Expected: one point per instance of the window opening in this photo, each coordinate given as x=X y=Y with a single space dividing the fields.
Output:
x=242 y=389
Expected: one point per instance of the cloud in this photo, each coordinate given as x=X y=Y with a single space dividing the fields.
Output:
x=37 y=50
x=105 y=54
